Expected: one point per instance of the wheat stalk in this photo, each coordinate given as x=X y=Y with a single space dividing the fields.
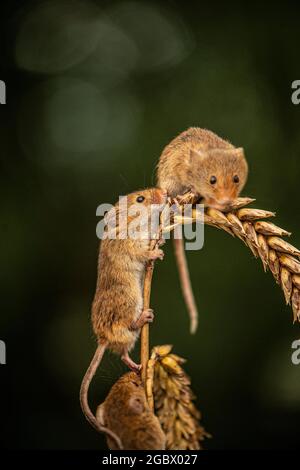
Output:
x=264 y=240
x=146 y=299
x=167 y=382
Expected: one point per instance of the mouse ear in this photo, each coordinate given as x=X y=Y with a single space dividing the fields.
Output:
x=239 y=152
x=197 y=154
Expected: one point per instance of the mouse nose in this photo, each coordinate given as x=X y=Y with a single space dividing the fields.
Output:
x=225 y=201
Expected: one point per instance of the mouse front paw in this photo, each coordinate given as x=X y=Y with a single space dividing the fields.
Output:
x=157 y=253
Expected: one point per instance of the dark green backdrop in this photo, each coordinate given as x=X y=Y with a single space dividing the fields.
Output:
x=94 y=92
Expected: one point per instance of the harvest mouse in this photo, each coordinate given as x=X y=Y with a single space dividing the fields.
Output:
x=215 y=171
x=126 y=412
x=117 y=309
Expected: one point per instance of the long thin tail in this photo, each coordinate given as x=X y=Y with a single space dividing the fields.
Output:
x=185 y=282
x=84 y=390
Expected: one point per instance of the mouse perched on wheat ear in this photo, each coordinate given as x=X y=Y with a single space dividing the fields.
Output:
x=215 y=171
x=117 y=309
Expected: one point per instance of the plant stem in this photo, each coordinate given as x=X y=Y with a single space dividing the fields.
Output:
x=145 y=328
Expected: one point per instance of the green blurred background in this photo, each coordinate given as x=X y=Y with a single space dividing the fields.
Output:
x=95 y=90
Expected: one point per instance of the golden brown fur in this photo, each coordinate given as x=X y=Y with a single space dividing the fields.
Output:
x=188 y=163
x=189 y=160
x=117 y=310
x=126 y=413
x=118 y=300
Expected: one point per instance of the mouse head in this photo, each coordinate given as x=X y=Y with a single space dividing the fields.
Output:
x=126 y=413
x=131 y=216
x=218 y=175
x=136 y=402
x=148 y=197
x=126 y=395
x=145 y=203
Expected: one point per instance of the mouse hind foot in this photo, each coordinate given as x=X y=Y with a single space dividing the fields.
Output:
x=146 y=316
x=130 y=363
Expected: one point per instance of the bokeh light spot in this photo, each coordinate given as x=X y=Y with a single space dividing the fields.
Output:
x=56 y=35
x=76 y=115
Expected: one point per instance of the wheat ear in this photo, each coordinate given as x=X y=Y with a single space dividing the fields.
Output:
x=264 y=240
x=173 y=400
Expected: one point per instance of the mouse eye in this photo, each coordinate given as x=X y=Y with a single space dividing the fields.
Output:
x=213 y=180
x=140 y=199
x=236 y=179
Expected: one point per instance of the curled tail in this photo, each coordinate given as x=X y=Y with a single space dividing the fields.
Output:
x=185 y=282
x=84 y=389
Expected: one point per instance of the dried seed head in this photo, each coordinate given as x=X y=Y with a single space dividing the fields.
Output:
x=173 y=397
x=209 y=220
x=162 y=351
x=235 y=222
x=286 y=283
x=267 y=228
x=274 y=264
x=250 y=232
x=178 y=359
x=296 y=280
x=263 y=251
x=241 y=202
x=171 y=365
x=263 y=239
x=251 y=238
x=218 y=216
x=290 y=263
x=281 y=245
x=254 y=214
x=296 y=304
